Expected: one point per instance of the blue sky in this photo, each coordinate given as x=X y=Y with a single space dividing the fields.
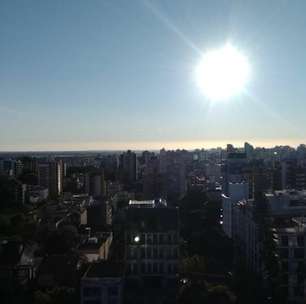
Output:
x=119 y=74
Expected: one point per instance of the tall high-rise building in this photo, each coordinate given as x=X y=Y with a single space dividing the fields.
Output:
x=152 y=180
x=236 y=192
x=172 y=167
x=95 y=183
x=293 y=174
x=175 y=181
x=128 y=167
x=43 y=175
x=249 y=150
x=50 y=175
x=29 y=164
x=234 y=169
x=9 y=167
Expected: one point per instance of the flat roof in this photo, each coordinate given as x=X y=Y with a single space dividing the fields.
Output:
x=146 y=202
x=104 y=269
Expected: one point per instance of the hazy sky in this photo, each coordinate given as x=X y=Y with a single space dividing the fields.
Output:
x=99 y=74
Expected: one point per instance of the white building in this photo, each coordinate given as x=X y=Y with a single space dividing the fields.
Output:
x=245 y=234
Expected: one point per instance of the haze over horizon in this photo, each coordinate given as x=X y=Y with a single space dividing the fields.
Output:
x=142 y=146
x=80 y=75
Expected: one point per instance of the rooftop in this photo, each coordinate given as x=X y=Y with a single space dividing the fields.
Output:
x=105 y=269
x=288 y=192
x=152 y=219
x=92 y=243
x=148 y=203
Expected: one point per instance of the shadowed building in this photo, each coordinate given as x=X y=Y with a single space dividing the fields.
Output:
x=50 y=175
x=152 y=248
x=103 y=283
x=128 y=167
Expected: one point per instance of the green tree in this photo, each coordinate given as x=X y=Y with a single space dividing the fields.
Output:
x=63 y=295
x=220 y=294
x=194 y=292
x=61 y=241
x=41 y=297
x=4 y=224
x=57 y=295
x=194 y=264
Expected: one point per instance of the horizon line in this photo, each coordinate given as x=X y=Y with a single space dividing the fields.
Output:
x=150 y=146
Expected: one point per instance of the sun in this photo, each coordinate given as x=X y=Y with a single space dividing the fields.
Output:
x=222 y=73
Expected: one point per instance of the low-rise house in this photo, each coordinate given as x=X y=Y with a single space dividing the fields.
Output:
x=97 y=247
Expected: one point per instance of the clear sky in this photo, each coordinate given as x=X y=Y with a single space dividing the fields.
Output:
x=117 y=74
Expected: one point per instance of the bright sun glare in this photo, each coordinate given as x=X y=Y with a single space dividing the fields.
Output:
x=222 y=73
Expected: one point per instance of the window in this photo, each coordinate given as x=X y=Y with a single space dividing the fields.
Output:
x=284 y=266
x=167 y=253
x=92 y=291
x=300 y=278
x=143 y=254
x=284 y=292
x=134 y=269
x=149 y=252
x=175 y=268
x=300 y=267
x=161 y=267
x=132 y=252
x=155 y=267
x=130 y=268
x=113 y=290
x=154 y=253
x=299 y=290
x=161 y=253
x=149 y=267
x=143 y=267
x=175 y=253
x=284 y=241
x=299 y=253
x=285 y=278
x=284 y=252
x=300 y=240
x=155 y=238
x=169 y=268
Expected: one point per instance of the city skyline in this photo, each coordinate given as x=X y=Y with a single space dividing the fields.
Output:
x=115 y=75
x=153 y=146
